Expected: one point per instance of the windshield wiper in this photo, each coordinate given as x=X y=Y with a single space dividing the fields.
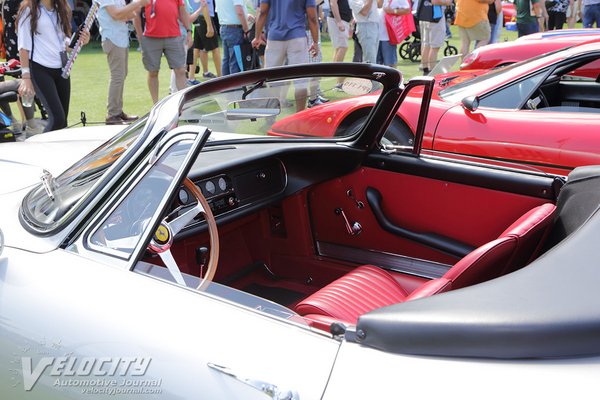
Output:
x=252 y=88
x=447 y=80
x=47 y=180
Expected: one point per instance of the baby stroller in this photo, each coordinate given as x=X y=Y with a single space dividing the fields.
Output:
x=411 y=48
x=12 y=68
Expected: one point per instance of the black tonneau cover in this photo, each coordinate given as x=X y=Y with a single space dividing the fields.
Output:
x=550 y=308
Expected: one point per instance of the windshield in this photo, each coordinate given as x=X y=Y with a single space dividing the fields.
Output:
x=316 y=107
x=46 y=205
x=474 y=87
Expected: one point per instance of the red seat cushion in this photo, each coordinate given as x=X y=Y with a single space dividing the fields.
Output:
x=359 y=291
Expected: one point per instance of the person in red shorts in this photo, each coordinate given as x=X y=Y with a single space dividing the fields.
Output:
x=163 y=36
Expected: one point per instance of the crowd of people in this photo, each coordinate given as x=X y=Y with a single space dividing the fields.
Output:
x=537 y=15
x=185 y=32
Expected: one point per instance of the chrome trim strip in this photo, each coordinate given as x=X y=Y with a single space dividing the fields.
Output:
x=390 y=261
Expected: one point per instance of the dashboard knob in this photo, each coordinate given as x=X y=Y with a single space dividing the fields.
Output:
x=231 y=201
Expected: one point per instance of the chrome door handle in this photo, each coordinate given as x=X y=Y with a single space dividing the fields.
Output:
x=267 y=388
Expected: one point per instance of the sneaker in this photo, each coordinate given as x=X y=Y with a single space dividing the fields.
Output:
x=114 y=120
x=37 y=122
x=192 y=82
x=322 y=99
x=33 y=127
x=32 y=131
x=127 y=118
x=208 y=75
x=338 y=88
x=314 y=102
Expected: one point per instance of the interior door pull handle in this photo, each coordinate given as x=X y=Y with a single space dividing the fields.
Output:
x=433 y=240
x=267 y=388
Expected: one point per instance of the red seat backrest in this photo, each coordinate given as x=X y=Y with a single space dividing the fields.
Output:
x=530 y=231
x=482 y=264
x=513 y=249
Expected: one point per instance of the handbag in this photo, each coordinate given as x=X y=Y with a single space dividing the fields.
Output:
x=428 y=12
x=399 y=27
x=246 y=56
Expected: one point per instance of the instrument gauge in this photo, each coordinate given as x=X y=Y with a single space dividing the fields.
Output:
x=210 y=187
x=222 y=184
x=184 y=196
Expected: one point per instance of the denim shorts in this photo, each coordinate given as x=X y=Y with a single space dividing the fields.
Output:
x=591 y=14
x=387 y=53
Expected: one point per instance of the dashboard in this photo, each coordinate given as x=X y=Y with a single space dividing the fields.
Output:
x=238 y=180
x=239 y=188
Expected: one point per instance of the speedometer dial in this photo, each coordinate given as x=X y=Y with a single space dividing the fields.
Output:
x=222 y=184
x=210 y=187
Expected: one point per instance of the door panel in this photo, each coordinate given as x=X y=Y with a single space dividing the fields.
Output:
x=467 y=205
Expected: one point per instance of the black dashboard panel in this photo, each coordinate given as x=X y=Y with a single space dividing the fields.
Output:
x=239 y=187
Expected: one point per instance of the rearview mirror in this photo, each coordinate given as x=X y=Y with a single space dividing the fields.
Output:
x=253 y=108
x=470 y=103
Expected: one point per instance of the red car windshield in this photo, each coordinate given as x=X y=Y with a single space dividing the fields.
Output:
x=473 y=87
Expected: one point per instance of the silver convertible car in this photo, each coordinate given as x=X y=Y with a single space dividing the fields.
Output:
x=195 y=255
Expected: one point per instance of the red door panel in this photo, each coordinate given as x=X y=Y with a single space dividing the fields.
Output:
x=469 y=214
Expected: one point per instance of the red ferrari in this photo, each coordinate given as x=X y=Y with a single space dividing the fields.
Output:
x=505 y=53
x=543 y=112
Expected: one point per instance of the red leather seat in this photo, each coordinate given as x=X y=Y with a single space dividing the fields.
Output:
x=530 y=231
x=359 y=291
x=368 y=287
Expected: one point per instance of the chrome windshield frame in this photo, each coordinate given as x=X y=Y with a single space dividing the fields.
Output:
x=161 y=119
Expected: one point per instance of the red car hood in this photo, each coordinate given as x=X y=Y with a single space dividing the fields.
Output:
x=562 y=34
x=498 y=54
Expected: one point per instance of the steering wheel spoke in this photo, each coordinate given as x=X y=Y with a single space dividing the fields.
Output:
x=167 y=258
x=184 y=219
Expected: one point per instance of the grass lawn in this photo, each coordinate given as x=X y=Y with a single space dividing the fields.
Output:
x=89 y=79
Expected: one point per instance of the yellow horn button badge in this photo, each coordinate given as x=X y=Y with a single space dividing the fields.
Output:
x=162 y=234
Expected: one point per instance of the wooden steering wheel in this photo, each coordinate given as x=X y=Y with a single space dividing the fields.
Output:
x=163 y=237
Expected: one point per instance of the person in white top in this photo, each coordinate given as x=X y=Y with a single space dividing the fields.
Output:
x=387 y=53
x=367 y=26
x=43 y=31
